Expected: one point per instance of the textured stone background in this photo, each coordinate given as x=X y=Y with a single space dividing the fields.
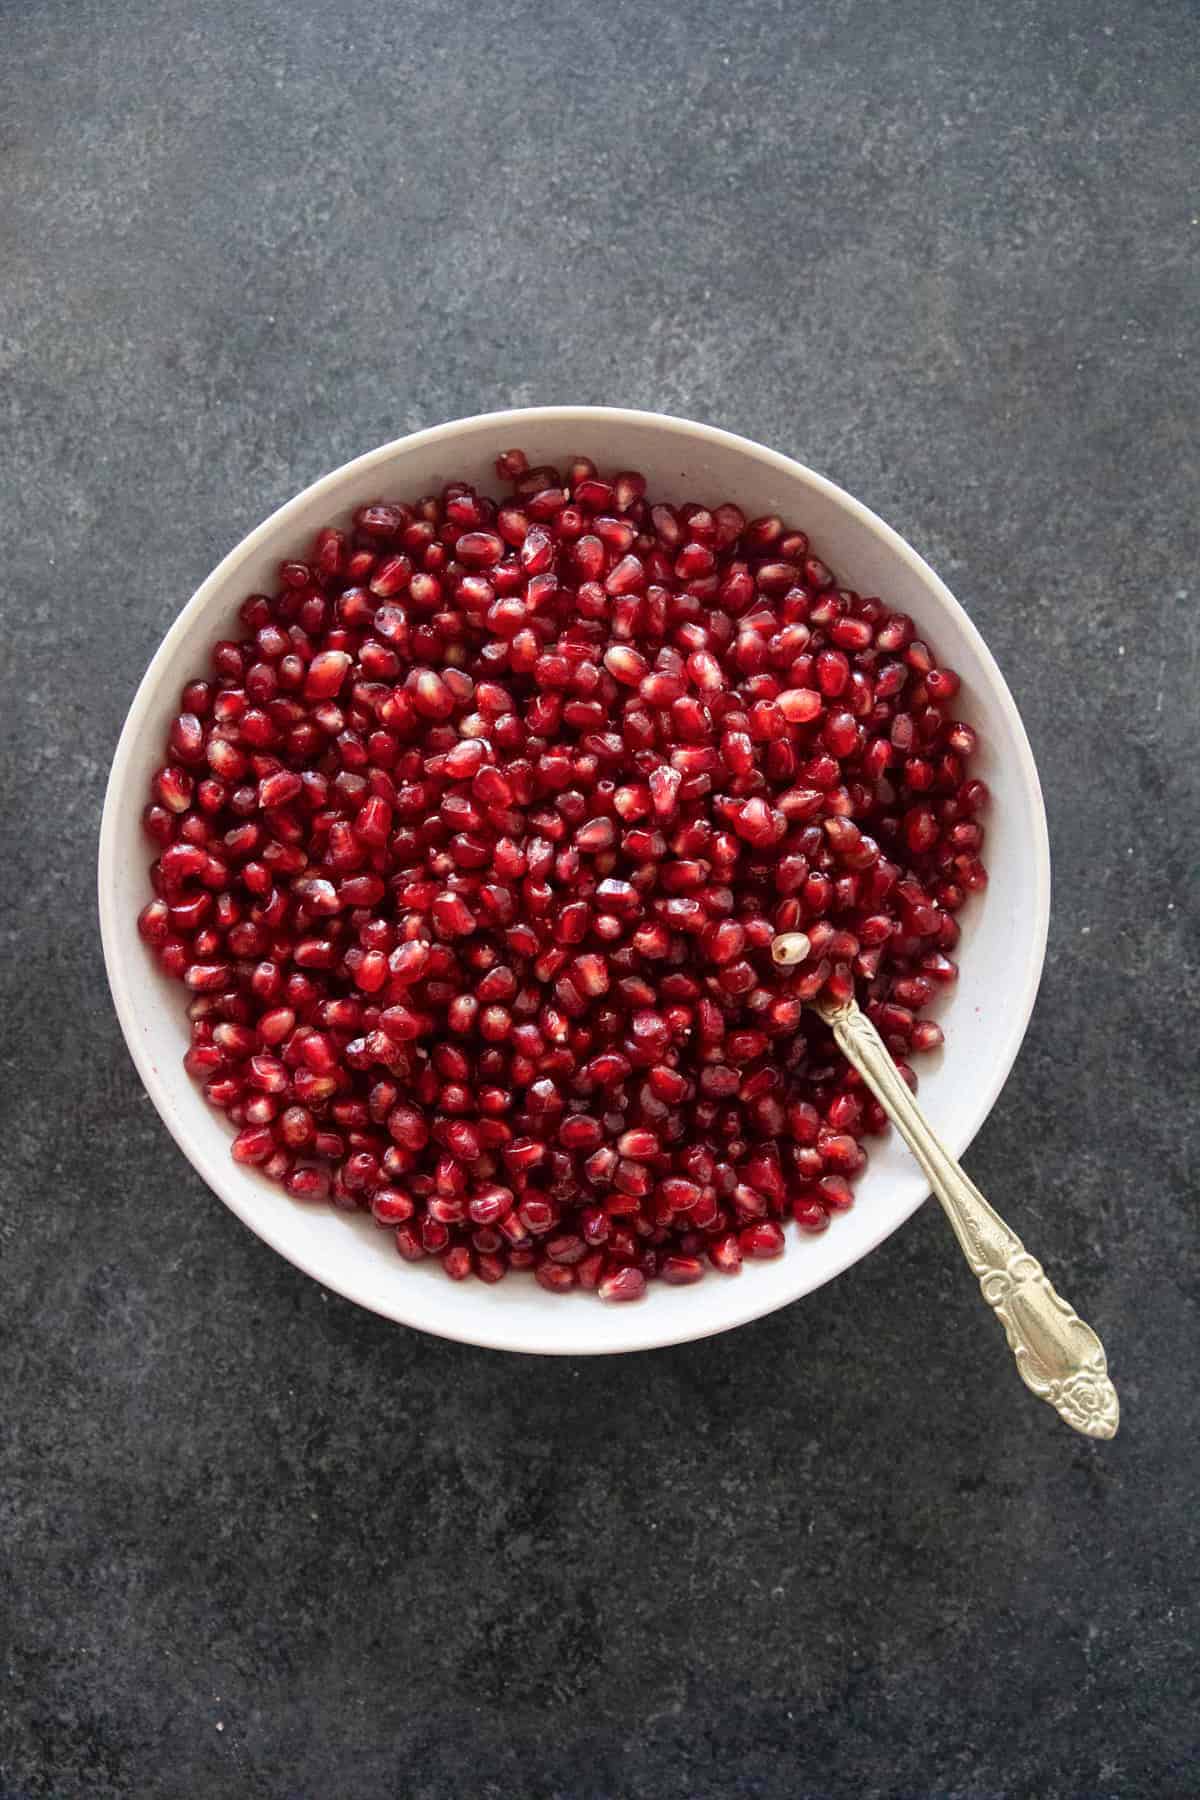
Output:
x=259 y=1543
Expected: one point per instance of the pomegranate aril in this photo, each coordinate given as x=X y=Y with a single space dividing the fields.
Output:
x=810 y=1215
x=391 y=1206
x=410 y=1244
x=479 y=549
x=725 y=1253
x=253 y=1145
x=622 y=1284
x=762 y=1240
x=799 y=705
x=173 y=789
x=835 y=1194
x=154 y=924
x=680 y=1271
x=626 y=665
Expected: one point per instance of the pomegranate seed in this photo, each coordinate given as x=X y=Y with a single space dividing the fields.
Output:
x=625 y=665
x=480 y=549
x=627 y=577
x=790 y=948
x=762 y=1240
x=622 y=1284
x=409 y=1244
x=326 y=673
x=810 y=1216
x=800 y=706
x=253 y=1145
x=278 y=788
x=390 y=1206
x=172 y=788
x=725 y=1253
x=680 y=1271
x=835 y=1193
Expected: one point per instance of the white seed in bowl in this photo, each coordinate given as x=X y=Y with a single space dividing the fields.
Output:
x=790 y=948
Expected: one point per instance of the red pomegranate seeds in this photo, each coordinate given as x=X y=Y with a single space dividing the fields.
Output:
x=501 y=850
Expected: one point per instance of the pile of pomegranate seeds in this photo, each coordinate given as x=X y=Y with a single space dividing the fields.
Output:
x=471 y=853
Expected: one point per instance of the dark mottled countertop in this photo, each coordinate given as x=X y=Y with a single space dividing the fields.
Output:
x=259 y=1543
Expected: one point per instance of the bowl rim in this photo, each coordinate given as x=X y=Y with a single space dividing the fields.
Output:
x=492 y=1333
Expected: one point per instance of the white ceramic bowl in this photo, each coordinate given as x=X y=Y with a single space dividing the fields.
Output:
x=984 y=1016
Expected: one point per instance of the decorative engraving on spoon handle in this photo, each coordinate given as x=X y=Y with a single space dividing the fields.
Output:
x=1058 y=1356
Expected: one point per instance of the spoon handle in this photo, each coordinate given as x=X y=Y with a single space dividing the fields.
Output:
x=1058 y=1356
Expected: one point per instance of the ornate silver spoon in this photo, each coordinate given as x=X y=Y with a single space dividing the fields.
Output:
x=1058 y=1356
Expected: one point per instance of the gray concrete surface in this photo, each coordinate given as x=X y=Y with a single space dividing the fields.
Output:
x=259 y=1543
